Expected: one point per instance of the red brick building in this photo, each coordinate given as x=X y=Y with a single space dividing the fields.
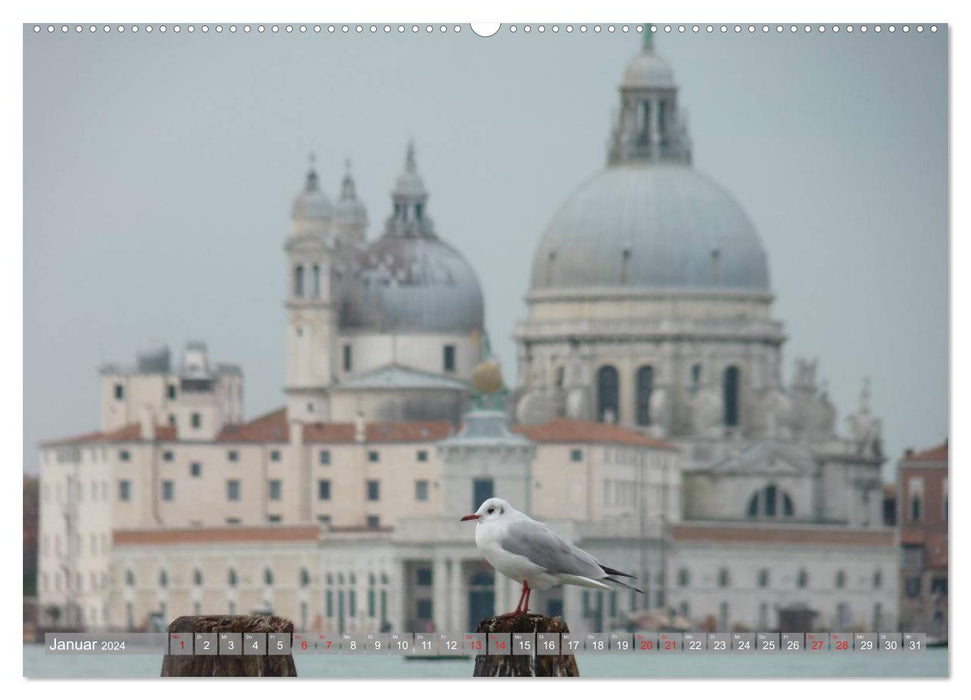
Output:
x=922 y=501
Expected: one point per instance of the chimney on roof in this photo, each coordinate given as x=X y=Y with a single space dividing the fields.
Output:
x=146 y=423
x=360 y=429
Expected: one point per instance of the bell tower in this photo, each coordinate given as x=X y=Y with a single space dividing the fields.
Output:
x=311 y=317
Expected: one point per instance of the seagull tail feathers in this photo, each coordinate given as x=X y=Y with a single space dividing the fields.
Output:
x=615 y=572
x=621 y=583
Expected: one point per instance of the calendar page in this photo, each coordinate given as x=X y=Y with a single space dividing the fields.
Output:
x=423 y=349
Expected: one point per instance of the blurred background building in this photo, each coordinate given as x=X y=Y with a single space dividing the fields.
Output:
x=922 y=500
x=650 y=424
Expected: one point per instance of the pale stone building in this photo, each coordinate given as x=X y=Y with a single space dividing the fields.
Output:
x=340 y=510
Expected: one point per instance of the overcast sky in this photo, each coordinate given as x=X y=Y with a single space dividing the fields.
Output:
x=159 y=172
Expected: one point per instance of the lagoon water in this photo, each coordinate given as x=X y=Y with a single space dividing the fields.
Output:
x=930 y=663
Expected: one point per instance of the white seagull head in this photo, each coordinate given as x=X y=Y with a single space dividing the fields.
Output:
x=491 y=510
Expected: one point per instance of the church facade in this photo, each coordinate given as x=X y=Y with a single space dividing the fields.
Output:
x=650 y=424
x=650 y=307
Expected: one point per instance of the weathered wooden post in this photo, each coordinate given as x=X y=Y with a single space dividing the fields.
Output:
x=209 y=665
x=535 y=665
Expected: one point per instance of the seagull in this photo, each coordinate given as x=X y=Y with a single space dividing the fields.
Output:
x=531 y=552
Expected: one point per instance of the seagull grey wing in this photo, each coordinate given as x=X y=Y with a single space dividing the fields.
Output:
x=546 y=548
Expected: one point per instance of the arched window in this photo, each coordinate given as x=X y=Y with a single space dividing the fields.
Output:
x=298 y=281
x=768 y=502
x=316 y=281
x=608 y=394
x=684 y=578
x=802 y=578
x=840 y=579
x=645 y=385
x=764 y=578
x=730 y=395
x=197 y=577
x=384 y=579
x=559 y=376
x=163 y=579
x=233 y=579
x=267 y=577
x=723 y=578
x=753 y=505
x=877 y=578
x=129 y=578
x=304 y=578
x=770 y=496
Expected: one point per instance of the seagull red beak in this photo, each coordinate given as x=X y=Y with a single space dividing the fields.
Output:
x=470 y=517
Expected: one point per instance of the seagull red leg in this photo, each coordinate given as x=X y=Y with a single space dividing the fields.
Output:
x=519 y=605
x=526 y=602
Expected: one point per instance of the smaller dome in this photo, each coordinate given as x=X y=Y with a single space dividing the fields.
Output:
x=312 y=203
x=648 y=70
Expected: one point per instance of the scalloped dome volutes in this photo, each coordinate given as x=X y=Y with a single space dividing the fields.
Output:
x=650 y=225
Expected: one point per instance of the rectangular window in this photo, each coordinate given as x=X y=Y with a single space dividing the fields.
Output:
x=422 y=455
x=325 y=456
x=232 y=489
x=274 y=455
x=348 y=359
x=276 y=488
x=232 y=521
x=939 y=585
x=423 y=576
x=172 y=419
x=124 y=490
x=119 y=392
x=352 y=602
x=373 y=522
x=421 y=490
x=171 y=391
x=330 y=603
x=196 y=420
x=324 y=520
x=323 y=490
x=482 y=490
x=424 y=611
x=576 y=455
x=448 y=358
x=232 y=456
x=195 y=469
x=274 y=518
x=913 y=557
x=124 y=455
x=373 y=490
x=912 y=586
x=374 y=456
x=167 y=456
x=168 y=490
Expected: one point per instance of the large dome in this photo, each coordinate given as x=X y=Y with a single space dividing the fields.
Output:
x=412 y=283
x=650 y=225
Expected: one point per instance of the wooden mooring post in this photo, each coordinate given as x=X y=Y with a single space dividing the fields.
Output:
x=207 y=664
x=535 y=664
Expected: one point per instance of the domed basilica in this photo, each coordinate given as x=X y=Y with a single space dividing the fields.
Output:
x=650 y=302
